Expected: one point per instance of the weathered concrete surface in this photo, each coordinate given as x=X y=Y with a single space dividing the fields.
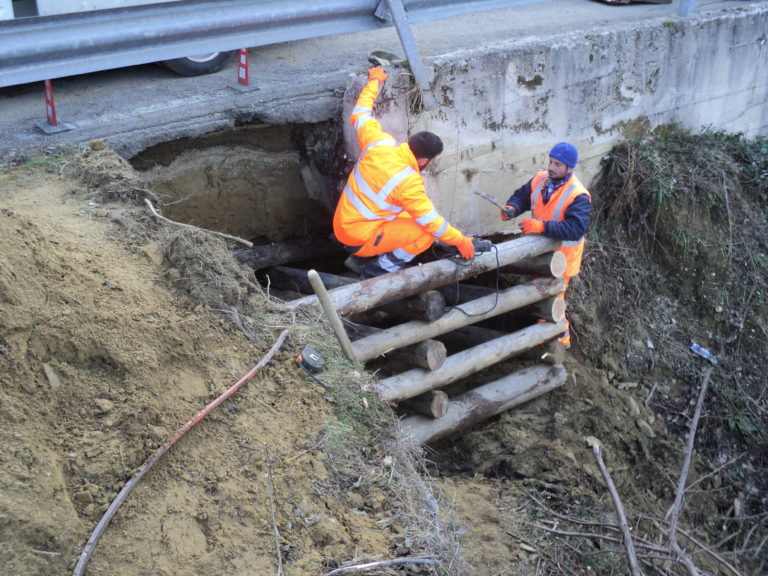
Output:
x=501 y=109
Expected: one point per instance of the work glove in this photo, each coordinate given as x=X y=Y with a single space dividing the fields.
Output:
x=466 y=247
x=377 y=73
x=532 y=226
x=507 y=213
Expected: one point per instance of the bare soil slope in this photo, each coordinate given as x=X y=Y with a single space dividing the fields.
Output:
x=116 y=330
x=102 y=362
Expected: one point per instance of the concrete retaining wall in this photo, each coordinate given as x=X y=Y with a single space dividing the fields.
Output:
x=501 y=110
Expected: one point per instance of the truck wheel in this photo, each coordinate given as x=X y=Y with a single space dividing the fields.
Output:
x=197 y=65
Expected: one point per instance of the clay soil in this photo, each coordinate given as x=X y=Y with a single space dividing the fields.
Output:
x=117 y=329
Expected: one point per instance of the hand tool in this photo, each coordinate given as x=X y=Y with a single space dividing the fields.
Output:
x=481 y=246
x=507 y=212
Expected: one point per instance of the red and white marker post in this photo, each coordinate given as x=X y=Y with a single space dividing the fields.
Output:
x=243 y=73
x=52 y=124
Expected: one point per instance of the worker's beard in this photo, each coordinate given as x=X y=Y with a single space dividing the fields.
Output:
x=558 y=181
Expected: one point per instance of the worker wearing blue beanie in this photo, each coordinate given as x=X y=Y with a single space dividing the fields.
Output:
x=566 y=153
x=561 y=208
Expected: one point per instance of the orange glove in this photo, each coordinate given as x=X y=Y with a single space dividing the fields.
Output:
x=532 y=226
x=377 y=73
x=507 y=213
x=466 y=248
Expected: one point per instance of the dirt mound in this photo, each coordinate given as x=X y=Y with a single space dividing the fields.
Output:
x=102 y=362
x=105 y=175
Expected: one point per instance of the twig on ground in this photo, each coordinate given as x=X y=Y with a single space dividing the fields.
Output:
x=148 y=194
x=628 y=544
x=681 y=555
x=650 y=394
x=593 y=536
x=234 y=314
x=701 y=479
x=383 y=564
x=319 y=442
x=272 y=512
x=572 y=519
x=45 y=552
x=182 y=225
x=701 y=545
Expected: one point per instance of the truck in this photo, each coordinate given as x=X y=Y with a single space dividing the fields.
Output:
x=187 y=66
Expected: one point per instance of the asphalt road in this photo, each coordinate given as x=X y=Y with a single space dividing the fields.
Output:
x=300 y=81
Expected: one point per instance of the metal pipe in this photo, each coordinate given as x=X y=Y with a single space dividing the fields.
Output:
x=411 y=52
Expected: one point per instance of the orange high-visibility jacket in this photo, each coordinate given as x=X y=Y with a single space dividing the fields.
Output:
x=385 y=184
x=555 y=210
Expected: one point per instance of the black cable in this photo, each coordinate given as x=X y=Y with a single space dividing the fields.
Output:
x=458 y=263
x=315 y=378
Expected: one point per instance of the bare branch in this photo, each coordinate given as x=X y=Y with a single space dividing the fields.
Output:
x=382 y=564
x=716 y=470
x=628 y=545
x=571 y=519
x=643 y=544
x=681 y=555
x=182 y=225
x=270 y=486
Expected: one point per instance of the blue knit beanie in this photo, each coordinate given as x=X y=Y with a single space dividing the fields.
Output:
x=566 y=153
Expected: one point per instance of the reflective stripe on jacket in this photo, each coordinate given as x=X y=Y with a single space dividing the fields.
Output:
x=555 y=210
x=385 y=183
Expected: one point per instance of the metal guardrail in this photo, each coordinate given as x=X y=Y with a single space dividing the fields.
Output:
x=40 y=48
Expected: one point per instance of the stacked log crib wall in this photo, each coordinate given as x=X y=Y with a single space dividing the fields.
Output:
x=420 y=325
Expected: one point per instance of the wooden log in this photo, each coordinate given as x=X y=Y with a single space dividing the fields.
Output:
x=462 y=364
x=552 y=353
x=296 y=279
x=459 y=293
x=429 y=354
x=416 y=279
x=469 y=313
x=480 y=404
x=469 y=336
x=278 y=253
x=433 y=404
x=428 y=306
x=551 y=264
x=551 y=309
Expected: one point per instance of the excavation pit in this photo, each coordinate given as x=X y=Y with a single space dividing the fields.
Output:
x=260 y=183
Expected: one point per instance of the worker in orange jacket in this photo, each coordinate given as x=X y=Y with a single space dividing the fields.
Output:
x=384 y=217
x=561 y=208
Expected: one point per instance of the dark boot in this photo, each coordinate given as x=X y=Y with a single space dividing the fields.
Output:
x=373 y=269
x=355 y=264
